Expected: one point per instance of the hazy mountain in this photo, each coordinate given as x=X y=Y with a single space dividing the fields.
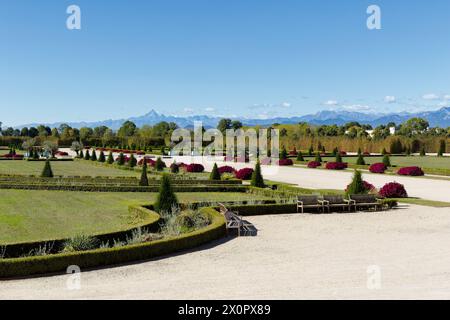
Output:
x=439 y=118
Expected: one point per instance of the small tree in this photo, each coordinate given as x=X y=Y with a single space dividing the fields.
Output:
x=132 y=162
x=257 y=178
x=386 y=160
x=159 y=164
x=338 y=157
x=441 y=150
x=81 y=154
x=360 y=161
x=87 y=156
x=300 y=156
x=101 y=157
x=284 y=153
x=94 y=155
x=77 y=147
x=383 y=152
x=357 y=184
x=144 y=179
x=423 y=152
x=215 y=175
x=47 y=171
x=166 y=197
x=318 y=157
x=163 y=150
x=335 y=151
x=311 y=150
x=110 y=159
x=121 y=159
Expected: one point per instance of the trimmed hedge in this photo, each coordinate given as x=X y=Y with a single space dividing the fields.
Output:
x=110 y=256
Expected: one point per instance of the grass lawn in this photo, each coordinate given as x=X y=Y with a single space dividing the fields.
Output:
x=66 y=168
x=42 y=215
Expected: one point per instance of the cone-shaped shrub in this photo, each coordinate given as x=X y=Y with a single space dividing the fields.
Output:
x=311 y=150
x=121 y=159
x=110 y=159
x=87 y=156
x=360 y=161
x=81 y=154
x=335 y=151
x=283 y=154
x=357 y=184
x=257 y=178
x=174 y=168
x=159 y=165
x=31 y=154
x=318 y=157
x=166 y=198
x=132 y=162
x=300 y=156
x=144 y=179
x=386 y=160
x=441 y=150
x=94 y=156
x=101 y=157
x=215 y=175
x=422 y=152
x=47 y=172
x=338 y=157
x=383 y=152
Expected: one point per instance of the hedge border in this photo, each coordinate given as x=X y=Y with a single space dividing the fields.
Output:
x=111 y=256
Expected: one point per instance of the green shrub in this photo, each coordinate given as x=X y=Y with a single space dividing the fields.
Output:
x=338 y=157
x=167 y=199
x=215 y=175
x=94 y=155
x=360 y=161
x=284 y=154
x=80 y=243
x=159 y=164
x=357 y=184
x=47 y=171
x=81 y=154
x=110 y=159
x=386 y=160
x=442 y=147
x=87 y=156
x=257 y=178
x=422 y=152
x=318 y=157
x=300 y=156
x=144 y=179
x=121 y=159
x=132 y=162
x=101 y=157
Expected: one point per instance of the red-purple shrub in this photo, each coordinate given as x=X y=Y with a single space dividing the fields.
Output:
x=393 y=190
x=244 y=174
x=195 y=167
x=149 y=161
x=314 y=164
x=410 y=171
x=377 y=168
x=226 y=169
x=336 y=165
x=285 y=162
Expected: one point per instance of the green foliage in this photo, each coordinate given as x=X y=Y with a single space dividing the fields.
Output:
x=47 y=171
x=396 y=146
x=383 y=152
x=132 y=162
x=386 y=160
x=311 y=150
x=144 y=179
x=159 y=164
x=318 y=157
x=110 y=159
x=300 y=156
x=121 y=159
x=357 y=184
x=442 y=146
x=215 y=175
x=94 y=155
x=338 y=157
x=87 y=156
x=257 y=178
x=360 y=161
x=101 y=157
x=422 y=152
x=284 y=153
x=167 y=199
x=80 y=154
x=80 y=243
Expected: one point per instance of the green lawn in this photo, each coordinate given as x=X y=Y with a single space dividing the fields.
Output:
x=65 y=168
x=42 y=215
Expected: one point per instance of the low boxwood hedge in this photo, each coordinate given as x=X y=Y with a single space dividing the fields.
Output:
x=102 y=257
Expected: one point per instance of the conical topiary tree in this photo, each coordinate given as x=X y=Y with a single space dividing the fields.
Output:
x=386 y=160
x=144 y=179
x=357 y=184
x=121 y=159
x=283 y=154
x=94 y=155
x=47 y=171
x=300 y=156
x=159 y=164
x=110 y=159
x=257 y=178
x=383 y=152
x=166 y=197
x=338 y=157
x=318 y=157
x=335 y=151
x=132 y=162
x=360 y=161
x=87 y=156
x=311 y=150
x=422 y=152
x=101 y=157
x=81 y=154
x=215 y=174
x=441 y=150
x=31 y=154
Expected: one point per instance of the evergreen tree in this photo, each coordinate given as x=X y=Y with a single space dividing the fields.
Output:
x=94 y=155
x=359 y=151
x=300 y=156
x=386 y=160
x=101 y=157
x=110 y=159
x=31 y=154
x=121 y=159
x=215 y=175
x=383 y=152
x=144 y=179
x=132 y=162
x=284 y=154
x=81 y=154
x=423 y=152
x=318 y=157
x=87 y=156
x=159 y=165
x=166 y=197
x=360 y=161
x=257 y=178
x=335 y=151
x=311 y=150
x=36 y=154
x=338 y=157
x=174 y=167
x=357 y=184
x=441 y=150
x=47 y=171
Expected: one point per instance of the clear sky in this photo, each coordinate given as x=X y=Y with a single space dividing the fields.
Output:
x=245 y=58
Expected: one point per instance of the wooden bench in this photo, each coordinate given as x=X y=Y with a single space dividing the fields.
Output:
x=304 y=202
x=365 y=201
x=331 y=201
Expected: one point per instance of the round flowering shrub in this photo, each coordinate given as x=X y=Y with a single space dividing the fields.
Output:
x=195 y=167
x=149 y=161
x=377 y=168
x=314 y=164
x=226 y=169
x=336 y=165
x=285 y=162
x=393 y=190
x=244 y=174
x=61 y=154
x=370 y=188
x=410 y=171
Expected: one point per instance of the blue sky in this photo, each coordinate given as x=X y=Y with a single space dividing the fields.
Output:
x=248 y=58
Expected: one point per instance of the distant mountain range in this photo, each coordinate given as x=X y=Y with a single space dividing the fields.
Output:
x=436 y=118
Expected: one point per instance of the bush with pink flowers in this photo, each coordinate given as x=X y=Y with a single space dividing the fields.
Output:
x=244 y=174
x=393 y=190
x=285 y=162
x=314 y=164
x=377 y=167
x=226 y=169
x=410 y=171
x=336 y=165
x=149 y=162
x=195 y=167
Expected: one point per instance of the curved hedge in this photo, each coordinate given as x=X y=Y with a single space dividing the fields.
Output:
x=110 y=256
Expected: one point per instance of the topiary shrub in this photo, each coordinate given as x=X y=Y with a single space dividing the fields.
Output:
x=300 y=156
x=94 y=156
x=47 y=171
x=80 y=155
x=358 y=186
x=338 y=157
x=360 y=161
x=336 y=165
x=110 y=159
x=283 y=154
x=285 y=162
x=226 y=169
x=393 y=190
x=121 y=159
x=132 y=162
x=411 y=171
x=87 y=156
x=244 y=174
x=257 y=178
x=101 y=157
x=318 y=157
x=144 y=179
x=174 y=168
x=386 y=160
x=159 y=164
x=377 y=167
x=215 y=175
x=442 y=146
x=195 y=168
x=314 y=164
x=167 y=199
